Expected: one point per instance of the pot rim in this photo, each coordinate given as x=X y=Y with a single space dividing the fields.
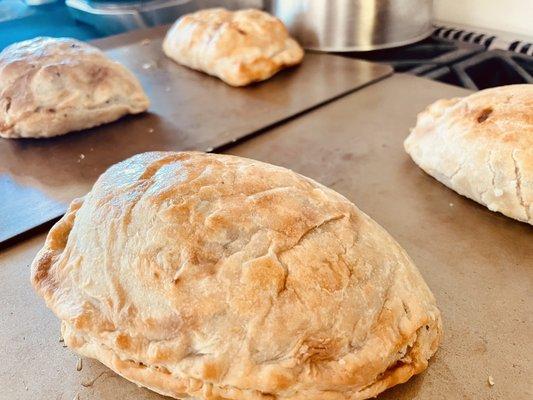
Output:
x=372 y=47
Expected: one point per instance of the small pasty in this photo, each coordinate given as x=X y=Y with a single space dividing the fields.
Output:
x=50 y=87
x=239 y=47
x=481 y=146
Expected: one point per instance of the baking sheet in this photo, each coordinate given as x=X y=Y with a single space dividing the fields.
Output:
x=189 y=110
x=478 y=263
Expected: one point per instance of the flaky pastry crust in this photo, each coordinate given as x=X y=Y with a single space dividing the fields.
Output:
x=239 y=47
x=481 y=146
x=50 y=86
x=226 y=278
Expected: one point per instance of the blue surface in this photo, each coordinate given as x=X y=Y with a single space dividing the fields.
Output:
x=46 y=20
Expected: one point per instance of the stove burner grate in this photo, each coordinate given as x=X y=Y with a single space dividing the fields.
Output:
x=422 y=56
x=485 y=70
x=470 y=65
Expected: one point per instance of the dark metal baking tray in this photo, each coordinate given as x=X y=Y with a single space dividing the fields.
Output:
x=189 y=110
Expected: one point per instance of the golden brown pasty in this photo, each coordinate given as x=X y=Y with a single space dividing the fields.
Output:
x=239 y=47
x=51 y=86
x=221 y=277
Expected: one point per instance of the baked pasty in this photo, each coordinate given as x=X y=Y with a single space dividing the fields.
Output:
x=239 y=47
x=481 y=146
x=50 y=86
x=221 y=277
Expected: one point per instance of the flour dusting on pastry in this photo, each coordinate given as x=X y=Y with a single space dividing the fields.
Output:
x=481 y=146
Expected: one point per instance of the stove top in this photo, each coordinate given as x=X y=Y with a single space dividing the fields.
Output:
x=470 y=64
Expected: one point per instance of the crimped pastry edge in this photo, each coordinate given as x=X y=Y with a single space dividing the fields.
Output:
x=161 y=380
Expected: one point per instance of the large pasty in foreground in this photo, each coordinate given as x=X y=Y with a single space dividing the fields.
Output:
x=481 y=146
x=239 y=47
x=226 y=278
x=50 y=86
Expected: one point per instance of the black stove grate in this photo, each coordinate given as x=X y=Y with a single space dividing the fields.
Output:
x=428 y=54
x=459 y=63
x=485 y=70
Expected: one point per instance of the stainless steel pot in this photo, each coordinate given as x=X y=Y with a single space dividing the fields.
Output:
x=355 y=25
x=116 y=16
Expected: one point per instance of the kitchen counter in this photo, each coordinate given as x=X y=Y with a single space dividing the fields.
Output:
x=19 y=21
x=478 y=263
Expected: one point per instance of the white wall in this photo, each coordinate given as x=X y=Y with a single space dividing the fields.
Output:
x=514 y=16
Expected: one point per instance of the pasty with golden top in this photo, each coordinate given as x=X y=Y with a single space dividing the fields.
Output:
x=221 y=277
x=239 y=47
x=49 y=87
